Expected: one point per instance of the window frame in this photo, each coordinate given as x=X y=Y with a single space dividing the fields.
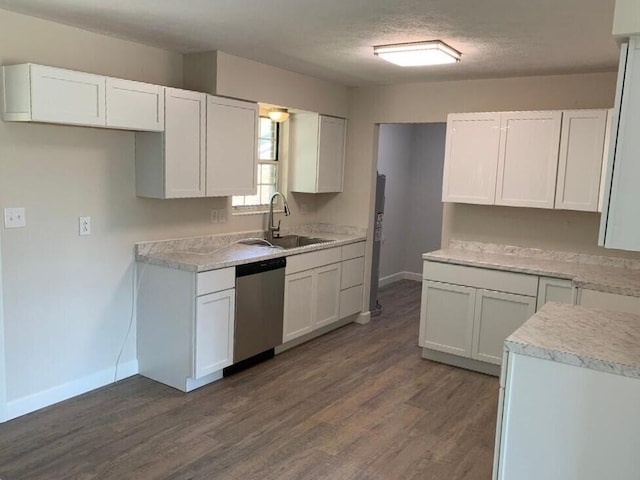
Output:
x=262 y=207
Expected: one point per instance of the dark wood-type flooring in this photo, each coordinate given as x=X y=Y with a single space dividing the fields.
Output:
x=358 y=403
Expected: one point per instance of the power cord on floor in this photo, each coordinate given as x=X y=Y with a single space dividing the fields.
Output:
x=135 y=286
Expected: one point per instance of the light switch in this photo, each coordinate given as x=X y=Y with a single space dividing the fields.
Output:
x=15 y=217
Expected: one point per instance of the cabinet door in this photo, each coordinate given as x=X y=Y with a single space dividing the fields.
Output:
x=135 y=105
x=327 y=301
x=580 y=162
x=65 y=96
x=352 y=273
x=528 y=160
x=498 y=315
x=330 y=168
x=471 y=158
x=446 y=317
x=232 y=152
x=605 y=159
x=554 y=290
x=619 y=226
x=213 y=342
x=299 y=304
x=185 y=147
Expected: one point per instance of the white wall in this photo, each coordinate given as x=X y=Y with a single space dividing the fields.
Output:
x=412 y=157
x=67 y=299
x=394 y=160
x=424 y=229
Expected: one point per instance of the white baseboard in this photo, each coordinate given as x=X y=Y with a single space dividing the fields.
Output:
x=396 y=277
x=363 y=318
x=36 y=401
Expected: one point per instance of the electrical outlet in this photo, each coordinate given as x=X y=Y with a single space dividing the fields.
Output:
x=84 y=226
x=214 y=216
x=15 y=217
x=222 y=215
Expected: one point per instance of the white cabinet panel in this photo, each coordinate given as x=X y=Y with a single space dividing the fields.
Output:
x=46 y=94
x=580 y=162
x=605 y=159
x=351 y=301
x=135 y=105
x=555 y=290
x=561 y=422
x=471 y=158
x=299 y=304
x=619 y=226
x=232 y=152
x=352 y=273
x=609 y=301
x=172 y=164
x=497 y=315
x=446 y=317
x=528 y=159
x=327 y=301
x=185 y=143
x=214 y=332
x=353 y=250
x=316 y=152
x=330 y=167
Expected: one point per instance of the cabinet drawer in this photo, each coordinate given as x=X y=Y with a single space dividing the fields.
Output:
x=350 y=301
x=609 y=301
x=306 y=261
x=508 y=282
x=353 y=251
x=352 y=273
x=215 y=280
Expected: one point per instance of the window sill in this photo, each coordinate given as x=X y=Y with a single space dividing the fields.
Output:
x=241 y=212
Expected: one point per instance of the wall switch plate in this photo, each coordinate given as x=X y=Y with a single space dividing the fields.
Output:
x=214 y=216
x=15 y=217
x=84 y=226
x=222 y=215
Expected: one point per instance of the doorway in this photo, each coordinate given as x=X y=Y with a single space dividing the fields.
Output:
x=411 y=156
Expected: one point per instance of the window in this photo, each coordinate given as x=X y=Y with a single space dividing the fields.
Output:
x=268 y=149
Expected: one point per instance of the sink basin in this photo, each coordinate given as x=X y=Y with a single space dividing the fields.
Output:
x=295 y=241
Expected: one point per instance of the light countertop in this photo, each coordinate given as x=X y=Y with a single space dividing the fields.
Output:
x=584 y=337
x=201 y=254
x=605 y=274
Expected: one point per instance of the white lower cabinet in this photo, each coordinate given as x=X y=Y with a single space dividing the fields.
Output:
x=311 y=300
x=555 y=290
x=467 y=313
x=608 y=301
x=563 y=422
x=470 y=322
x=497 y=315
x=185 y=323
x=447 y=317
x=214 y=332
x=298 y=304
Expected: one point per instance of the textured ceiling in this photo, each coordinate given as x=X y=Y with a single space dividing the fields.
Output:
x=333 y=39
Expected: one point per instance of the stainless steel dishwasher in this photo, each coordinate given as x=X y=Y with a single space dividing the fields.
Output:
x=259 y=310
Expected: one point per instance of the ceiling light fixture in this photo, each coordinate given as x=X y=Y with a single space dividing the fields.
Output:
x=417 y=54
x=278 y=114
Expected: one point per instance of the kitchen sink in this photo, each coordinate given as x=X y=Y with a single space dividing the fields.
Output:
x=295 y=241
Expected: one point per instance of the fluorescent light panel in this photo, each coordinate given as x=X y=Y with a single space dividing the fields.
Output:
x=418 y=54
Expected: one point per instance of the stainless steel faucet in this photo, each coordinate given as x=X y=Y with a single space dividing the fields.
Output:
x=274 y=231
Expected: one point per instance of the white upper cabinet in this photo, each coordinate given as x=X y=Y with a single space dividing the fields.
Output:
x=134 y=105
x=317 y=150
x=528 y=159
x=36 y=93
x=232 y=152
x=619 y=226
x=471 y=158
x=172 y=164
x=580 y=162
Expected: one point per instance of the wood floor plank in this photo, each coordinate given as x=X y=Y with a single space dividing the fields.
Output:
x=357 y=403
